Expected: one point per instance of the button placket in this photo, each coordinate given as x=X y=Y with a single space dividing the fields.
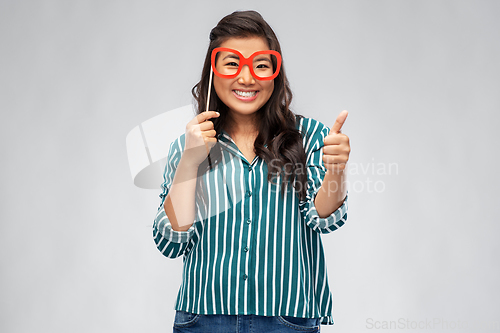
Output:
x=248 y=203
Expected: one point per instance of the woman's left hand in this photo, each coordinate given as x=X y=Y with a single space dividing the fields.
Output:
x=336 y=146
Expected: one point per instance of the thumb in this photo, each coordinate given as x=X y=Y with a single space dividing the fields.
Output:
x=339 y=122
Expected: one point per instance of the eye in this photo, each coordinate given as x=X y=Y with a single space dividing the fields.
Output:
x=232 y=64
x=262 y=66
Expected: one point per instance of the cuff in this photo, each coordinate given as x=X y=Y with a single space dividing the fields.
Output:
x=325 y=224
x=164 y=227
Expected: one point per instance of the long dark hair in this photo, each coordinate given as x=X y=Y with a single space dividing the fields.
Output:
x=285 y=153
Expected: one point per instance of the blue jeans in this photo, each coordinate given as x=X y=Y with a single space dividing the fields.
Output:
x=186 y=322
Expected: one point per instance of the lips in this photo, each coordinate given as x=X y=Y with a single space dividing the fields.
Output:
x=246 y=95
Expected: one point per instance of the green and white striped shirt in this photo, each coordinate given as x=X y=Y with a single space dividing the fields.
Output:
x=251 y=250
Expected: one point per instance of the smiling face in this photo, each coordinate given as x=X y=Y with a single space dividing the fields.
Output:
x=244 y=95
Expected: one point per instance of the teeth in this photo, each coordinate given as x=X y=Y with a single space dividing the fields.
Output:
x=245 y=93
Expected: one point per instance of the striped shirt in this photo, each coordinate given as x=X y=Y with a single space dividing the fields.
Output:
x=252 y=250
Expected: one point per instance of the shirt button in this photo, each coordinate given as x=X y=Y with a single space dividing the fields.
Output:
x=246 y=249
x=249 y=221
x=245 y=276
x=250 y=169
x=249 y=193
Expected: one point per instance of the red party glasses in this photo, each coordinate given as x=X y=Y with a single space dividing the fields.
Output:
x=227 y=63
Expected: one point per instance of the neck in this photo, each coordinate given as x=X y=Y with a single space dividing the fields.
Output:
x=246 y=125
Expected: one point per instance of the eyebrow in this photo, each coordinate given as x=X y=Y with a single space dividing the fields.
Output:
x=232 y=56
x=262 y=59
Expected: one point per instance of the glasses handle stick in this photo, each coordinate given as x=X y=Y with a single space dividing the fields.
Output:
x=209 y=87
x=208 y=103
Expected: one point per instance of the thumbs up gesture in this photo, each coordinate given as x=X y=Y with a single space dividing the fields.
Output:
x=336 y=146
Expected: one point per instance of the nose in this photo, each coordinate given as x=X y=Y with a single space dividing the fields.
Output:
x=245 y=76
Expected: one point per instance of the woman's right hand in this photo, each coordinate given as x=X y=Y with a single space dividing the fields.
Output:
x=200 y=138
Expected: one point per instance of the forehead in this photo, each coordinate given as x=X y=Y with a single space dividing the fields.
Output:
x=246 y=45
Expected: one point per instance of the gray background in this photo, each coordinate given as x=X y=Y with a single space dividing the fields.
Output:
x=419 y=78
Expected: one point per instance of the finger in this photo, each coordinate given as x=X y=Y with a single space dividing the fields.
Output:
x=204 y=116
x=339 y=122
x=336 y=166
x=334 y=159
x=332 y=150
x=209 y=143
x=206 y=125
x=209 y=134
x=336 y=139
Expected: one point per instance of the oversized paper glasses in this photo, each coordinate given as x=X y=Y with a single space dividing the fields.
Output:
x=228 y=63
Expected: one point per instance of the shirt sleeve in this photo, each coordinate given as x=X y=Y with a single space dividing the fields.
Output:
x=313 y=144
x=169 y=242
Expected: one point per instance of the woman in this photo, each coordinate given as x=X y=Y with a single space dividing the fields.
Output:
x=248 y=190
